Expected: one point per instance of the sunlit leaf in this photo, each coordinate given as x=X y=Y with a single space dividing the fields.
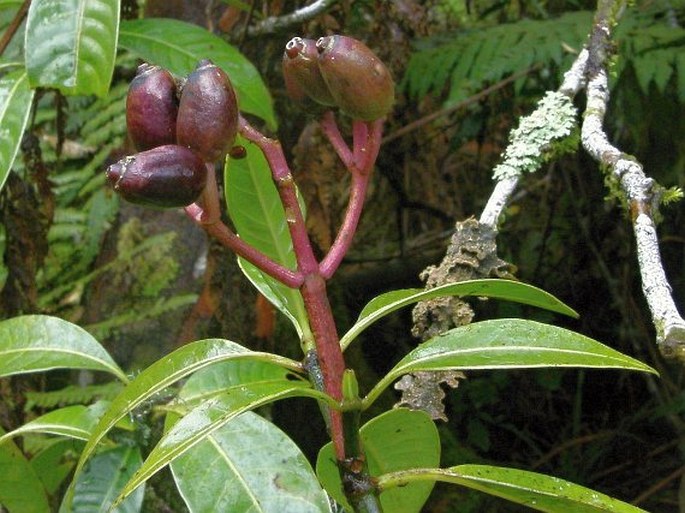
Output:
x=537 y=491
x=507 y=344
x=248 y=465
x=210 y=416
x=396 y=440
x=258 y=216
x=179 y=46
x=33 y=343
x=20 y=489
x=102 y=480
x=509 y=290
x=16 y=99
x=71 y=44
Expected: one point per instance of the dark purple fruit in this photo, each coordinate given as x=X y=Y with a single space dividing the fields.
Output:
x=359 y=82
x=208 y=113
x=151 y=108
x=301 y=72
x=168 y=176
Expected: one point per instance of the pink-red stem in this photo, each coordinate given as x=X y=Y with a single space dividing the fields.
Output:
x=206 y=212
x=310 y=277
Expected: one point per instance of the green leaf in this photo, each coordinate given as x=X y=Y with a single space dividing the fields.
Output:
x=537 y=491
x=33 y=343
x=210 y=416
x=55 y=462
x=165 y=372
x=179 y=46
x=71 y=44
x=20 y=489
x=103 y=479
x=507 y=344
x=16 y=99
x=208 y=382
x=510 y=290
x=75 y=421
x=397 y=440
x=248 y=465
x=258 y=216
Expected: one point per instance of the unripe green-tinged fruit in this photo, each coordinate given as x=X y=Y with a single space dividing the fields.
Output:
x=301 y=72
x=167 y=176
x=359 y=82
x=151 y=108
x=208 y=113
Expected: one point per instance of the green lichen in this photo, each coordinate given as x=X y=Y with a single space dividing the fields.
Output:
x=672 y=195
x=546 y=133
x=615 y=192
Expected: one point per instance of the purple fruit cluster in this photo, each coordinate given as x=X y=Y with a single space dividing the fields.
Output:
x=177 y=130
x=339 y=71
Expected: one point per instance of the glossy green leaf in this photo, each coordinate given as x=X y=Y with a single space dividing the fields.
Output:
x=507 y=344
x=206 y=383
x=212 y=414
x=258 y=216
x=33 y=343
x=71 y=44
x=20 y=489
x=102 y=480
x=248 y=465
x=75 y=421
x=397 y=440
x=537 y=491
x=509 y=290
x=179 y=46
x=164 y=373
x=16 y=99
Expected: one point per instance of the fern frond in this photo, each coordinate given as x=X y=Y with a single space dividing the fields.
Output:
x=71 y=395
x=469 y=59
x=456 y=68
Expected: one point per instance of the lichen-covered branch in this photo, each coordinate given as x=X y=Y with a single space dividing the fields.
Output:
x=275 y=23
x=553 y=120
x=641 y=192
x=472 y=252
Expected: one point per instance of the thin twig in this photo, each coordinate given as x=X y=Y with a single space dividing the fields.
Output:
x=14 y=25
x=641 y=191
x=275 y=23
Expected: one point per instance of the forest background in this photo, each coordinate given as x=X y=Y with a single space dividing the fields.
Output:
x=145 y=282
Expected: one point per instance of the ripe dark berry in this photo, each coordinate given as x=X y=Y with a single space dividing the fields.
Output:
x=208 y=113
x=151 y=108
x=167 y=176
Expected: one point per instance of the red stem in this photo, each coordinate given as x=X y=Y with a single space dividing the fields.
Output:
x=207 y=213
x=331 y=131
x=367 y=142
x=328 y=350
x=273 y=152
x=343 y=240
x=313 y=289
